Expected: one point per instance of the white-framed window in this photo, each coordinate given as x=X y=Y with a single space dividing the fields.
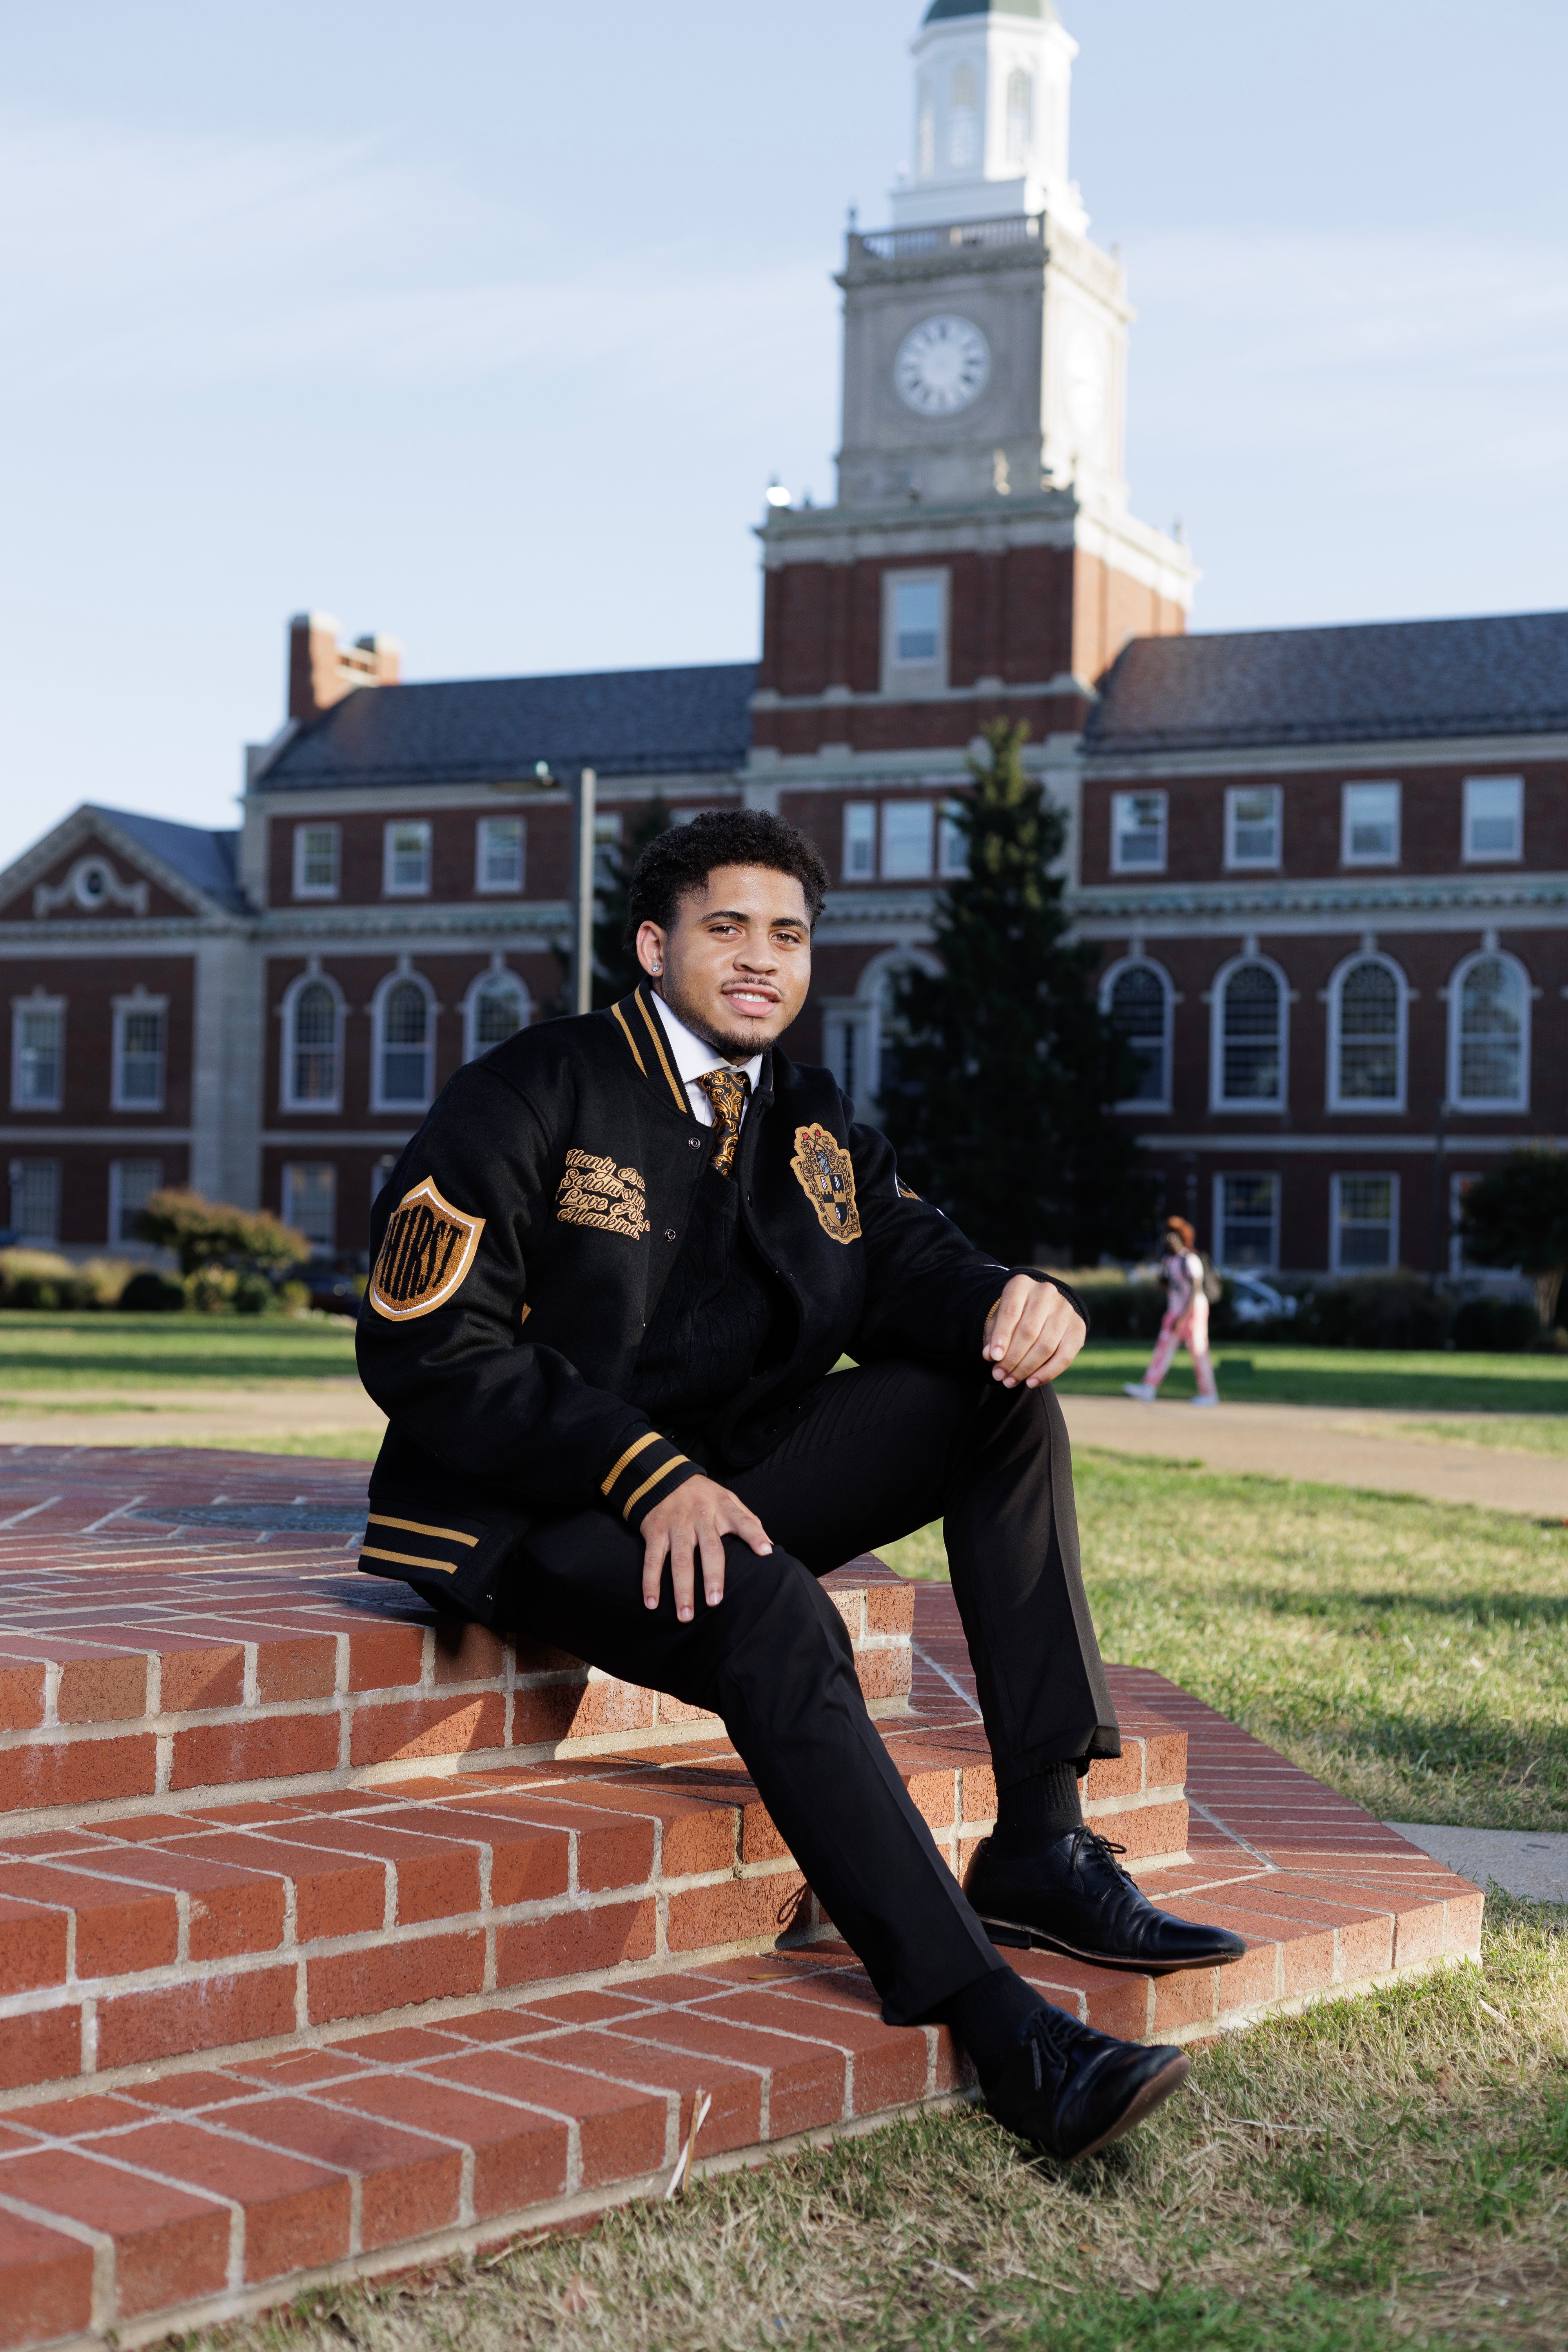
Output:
x=1246 y=1222
x=1020 y=115
x=1251 y=1036
x=607 y=830
x=36 y=1199
x=951 y=843
x=140 y=1025
x=1138 y=833
x=132 y=1184
x=1367 y=1031
x=908 y=832
x=1136 y=996
x=1369 y=824
x=1364 y=1213
x=405 y=858
x=914 y=632
x=1489 y=1034
x=962 y=120
x=317 y=856
x=1252 y=826
x=859 y=841
x=1494 y=818
x=402 y=1015
x=500 y=854
x=861 y=1033
x=311 y=1201
x=496 y=1006
x=925 y=131
x=37 y=1052
x=313 y=1018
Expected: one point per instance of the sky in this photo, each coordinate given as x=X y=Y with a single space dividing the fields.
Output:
x=486 y=327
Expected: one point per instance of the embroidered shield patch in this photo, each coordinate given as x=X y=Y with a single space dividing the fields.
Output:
x=594 y=1191
x=429 y=1248
x=827 y=1177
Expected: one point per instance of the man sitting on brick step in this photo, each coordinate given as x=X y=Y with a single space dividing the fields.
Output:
x=613 y=1272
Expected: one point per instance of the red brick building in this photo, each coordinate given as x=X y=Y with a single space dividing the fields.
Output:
x=1327 y=867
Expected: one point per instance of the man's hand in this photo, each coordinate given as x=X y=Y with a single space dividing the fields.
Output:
x=689 y=1527
x=1032 y=1333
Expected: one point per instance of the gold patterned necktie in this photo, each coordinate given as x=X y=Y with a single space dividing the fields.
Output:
x=727 y=1091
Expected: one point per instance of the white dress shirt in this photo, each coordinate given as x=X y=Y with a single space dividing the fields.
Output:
x=693 y=1056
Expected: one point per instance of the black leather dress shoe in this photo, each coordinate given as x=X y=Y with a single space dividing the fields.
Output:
x=1072 y=2091
x=1073 y=1896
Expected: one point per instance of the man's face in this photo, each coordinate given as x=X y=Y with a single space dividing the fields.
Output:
x=736 y=963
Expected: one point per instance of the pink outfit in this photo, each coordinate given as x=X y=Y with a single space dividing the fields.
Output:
x=1185 y=1323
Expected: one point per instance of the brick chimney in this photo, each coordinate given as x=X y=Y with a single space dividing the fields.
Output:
x=321 y=671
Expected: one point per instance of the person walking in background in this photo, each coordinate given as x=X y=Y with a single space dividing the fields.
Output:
x=1186 y=1320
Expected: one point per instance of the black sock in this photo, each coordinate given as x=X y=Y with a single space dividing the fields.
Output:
x=1032 y=1813
x=988 y=2016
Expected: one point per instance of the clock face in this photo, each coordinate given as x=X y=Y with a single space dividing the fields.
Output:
x=943 y=364
x=1085 y=381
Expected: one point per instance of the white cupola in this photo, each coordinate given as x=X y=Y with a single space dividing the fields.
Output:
x=992 y=91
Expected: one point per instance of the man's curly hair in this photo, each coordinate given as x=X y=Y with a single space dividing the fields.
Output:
x=677 y=863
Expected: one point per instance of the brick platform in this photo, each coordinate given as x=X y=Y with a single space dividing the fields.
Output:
x=334 y=1938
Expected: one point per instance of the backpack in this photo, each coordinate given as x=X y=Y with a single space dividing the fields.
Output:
x=1214 y=1284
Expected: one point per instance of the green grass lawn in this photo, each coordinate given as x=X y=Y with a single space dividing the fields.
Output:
x=1427 y=1379
x=1413 y=1654
x=1387 y=2171
x=136 y=1351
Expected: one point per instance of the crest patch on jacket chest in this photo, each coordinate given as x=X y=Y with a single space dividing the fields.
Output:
x=427 y=1249
x=826 y=1176
x=594 y=1191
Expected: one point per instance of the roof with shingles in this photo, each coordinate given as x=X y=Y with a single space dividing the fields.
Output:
x=1382 y=682
x=638 y=722
x=208 y=861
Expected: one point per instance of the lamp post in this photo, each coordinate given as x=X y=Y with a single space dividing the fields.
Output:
x=582 y=787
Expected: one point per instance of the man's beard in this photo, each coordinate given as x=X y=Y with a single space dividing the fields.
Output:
x=734 y=1048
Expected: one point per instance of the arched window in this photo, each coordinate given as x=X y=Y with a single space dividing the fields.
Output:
x=404 y=1019
x=1250 y=1036
x=1488 y=1011
x=1366 y=1035
x=312 y=1045
x=1137 y=998
x=925 y=132
x=1020 y=115
x=963 y=120
x=496 y=1007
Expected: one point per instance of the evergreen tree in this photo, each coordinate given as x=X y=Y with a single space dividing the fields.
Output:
x=1517 y=1215
x=616 y=971
x=996 y=1093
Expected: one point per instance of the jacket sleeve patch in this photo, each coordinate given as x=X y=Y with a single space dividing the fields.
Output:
x=594 y=1191
x=427 y=1250
x=825 y=1174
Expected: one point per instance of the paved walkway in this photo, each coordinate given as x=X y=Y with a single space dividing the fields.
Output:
x=1529 y=1862
x=190 y=1414
x=1339 y=1445
x=1335 y=1445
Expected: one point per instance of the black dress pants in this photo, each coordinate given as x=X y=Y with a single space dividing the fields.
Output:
x=867 y=1456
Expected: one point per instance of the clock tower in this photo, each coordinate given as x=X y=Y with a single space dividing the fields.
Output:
x=981 y=558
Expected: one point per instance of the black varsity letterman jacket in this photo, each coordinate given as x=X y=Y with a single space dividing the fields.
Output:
x=518 y=1250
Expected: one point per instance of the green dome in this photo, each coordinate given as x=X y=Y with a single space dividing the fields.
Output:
x=940 y=9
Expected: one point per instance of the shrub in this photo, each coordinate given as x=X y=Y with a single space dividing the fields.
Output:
x=204 y=1232
x=152 y=1294
x=293 y=1298
x=212 y=1289
x=36 y=1278
x=1500 y=1327
x=1118 y=1309
x=1374 y=1310
x=100 y=1281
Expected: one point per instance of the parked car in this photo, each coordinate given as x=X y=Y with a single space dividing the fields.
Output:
x=1252 y=1300
x=332 y=1285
